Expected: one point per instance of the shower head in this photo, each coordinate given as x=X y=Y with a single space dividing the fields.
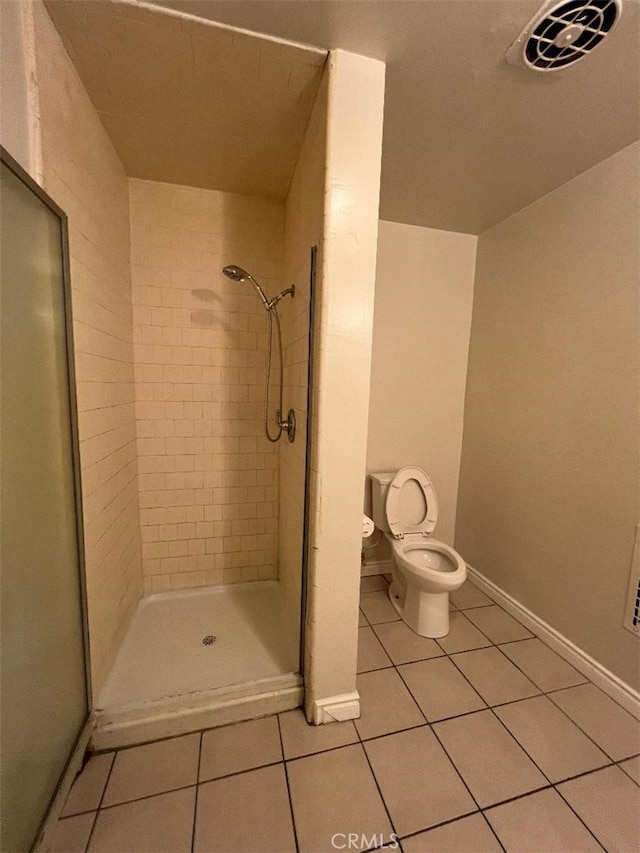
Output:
x=238 y=274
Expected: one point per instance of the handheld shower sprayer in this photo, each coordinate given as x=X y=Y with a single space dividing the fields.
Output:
x=238 y=274
x=289 y=425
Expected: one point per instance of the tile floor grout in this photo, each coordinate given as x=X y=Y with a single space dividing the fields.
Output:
x=362 y=741
x=490 y=707
x=195 y=799
x=550 y=785
x=451 y=655
x=286 y=777
x=104 y=791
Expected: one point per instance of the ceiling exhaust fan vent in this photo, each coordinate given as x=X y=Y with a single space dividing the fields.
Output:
x=562 y=34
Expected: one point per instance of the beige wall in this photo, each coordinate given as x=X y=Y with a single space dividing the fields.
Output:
x=18 y=129
x=83 y=175
x=421 y=327
x=342 y=364
x=208 y=476
x=550 y=465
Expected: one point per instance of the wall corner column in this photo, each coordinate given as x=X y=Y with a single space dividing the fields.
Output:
x=342 y=365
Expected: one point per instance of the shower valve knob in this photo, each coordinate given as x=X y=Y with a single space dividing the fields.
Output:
x=288 y=426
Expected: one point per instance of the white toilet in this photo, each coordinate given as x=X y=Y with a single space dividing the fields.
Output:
x=425 y=571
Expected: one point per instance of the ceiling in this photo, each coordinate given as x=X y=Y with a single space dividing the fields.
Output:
x=189 y=103
x=468 y=138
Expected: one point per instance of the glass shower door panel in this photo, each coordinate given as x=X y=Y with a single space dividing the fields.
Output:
x=44 y=698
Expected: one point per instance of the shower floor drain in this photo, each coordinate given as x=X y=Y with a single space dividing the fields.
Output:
x=208 y=640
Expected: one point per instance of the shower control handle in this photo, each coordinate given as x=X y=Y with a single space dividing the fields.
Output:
x=288 y=426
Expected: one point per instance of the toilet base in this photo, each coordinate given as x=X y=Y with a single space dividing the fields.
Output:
x=426 y=613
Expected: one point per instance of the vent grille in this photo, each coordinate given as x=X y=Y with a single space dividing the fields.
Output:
x=565 y=33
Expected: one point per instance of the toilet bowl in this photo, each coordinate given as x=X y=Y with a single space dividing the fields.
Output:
x=425 y=571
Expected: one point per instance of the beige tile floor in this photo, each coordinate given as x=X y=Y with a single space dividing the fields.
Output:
x=483 y=741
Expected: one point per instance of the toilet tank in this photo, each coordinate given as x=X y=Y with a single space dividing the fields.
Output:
x=379 y=485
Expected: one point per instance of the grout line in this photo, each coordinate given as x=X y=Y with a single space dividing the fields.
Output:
x=493 y=832
x=239 y=772
x=195 y=799
x=97 y=812
x=115 y=750
x=448 y=823
x=571 y=808
x=320 y=751
x=578 y=726
x=490 y=708
x=552 y=785
x=375 y=779
x=413 y=727
x=148 y=797
x=453 y=764
x=286 y=778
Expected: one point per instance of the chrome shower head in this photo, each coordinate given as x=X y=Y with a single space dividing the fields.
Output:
x=238 y=274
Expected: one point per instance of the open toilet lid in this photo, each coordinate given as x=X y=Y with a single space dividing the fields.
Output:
x=398 y=523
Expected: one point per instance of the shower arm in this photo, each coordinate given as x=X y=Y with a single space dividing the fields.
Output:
x=289 y=291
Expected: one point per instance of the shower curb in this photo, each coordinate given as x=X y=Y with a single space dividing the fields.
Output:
x=179 y=715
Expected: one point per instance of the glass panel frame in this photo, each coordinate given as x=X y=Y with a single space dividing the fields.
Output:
x=75 y=474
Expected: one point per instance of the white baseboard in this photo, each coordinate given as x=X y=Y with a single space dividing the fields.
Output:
x=334 y=709
x=375 y=567
x=178 y=715
x=584 y=663
x=44 y=839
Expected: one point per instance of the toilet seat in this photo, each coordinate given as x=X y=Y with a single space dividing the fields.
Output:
x=398 y=526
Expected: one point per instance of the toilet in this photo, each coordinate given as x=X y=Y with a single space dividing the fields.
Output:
x=425 y=571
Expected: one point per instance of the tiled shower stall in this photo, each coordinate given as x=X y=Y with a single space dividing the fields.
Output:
x=182 y=491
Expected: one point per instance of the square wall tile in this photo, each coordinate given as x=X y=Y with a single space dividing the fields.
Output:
x=607 y=723
x=439 y=689
x=371 y=654
x=241 y=746
x=542 y=665
x=556 y=744
x=488 y=758
x=385 y=704
x=160 y=824
x=246 y=812
x=496 y=624
x=404 y=645
x=494 y=676
x=462 y=636
x=466 y=834
x=419 y=784
x=141 y=771
x=299 y=738
x=87 y=789
x=540 y=822
x=335 y=792
x=609 y=803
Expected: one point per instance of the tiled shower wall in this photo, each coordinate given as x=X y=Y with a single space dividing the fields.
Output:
x=208 y=478
x=82 y=172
